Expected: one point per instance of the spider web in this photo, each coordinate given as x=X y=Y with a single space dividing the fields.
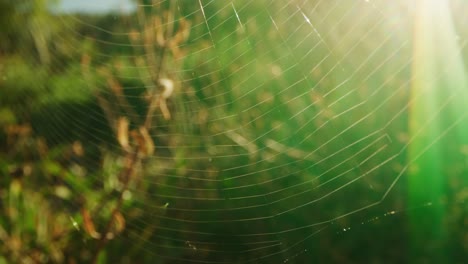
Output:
x=289 y=125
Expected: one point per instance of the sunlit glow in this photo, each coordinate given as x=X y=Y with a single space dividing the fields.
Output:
x=438 y=91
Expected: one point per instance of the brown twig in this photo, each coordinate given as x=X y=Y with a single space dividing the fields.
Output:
x=143 y=142
x=127 y=174
x=162 y=51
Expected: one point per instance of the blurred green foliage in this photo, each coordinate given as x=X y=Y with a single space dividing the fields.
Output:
x=77 y=102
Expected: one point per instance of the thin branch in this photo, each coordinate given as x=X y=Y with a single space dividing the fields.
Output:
x=127 y=174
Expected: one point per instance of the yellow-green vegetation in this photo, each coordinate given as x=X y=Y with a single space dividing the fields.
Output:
x=234 y=132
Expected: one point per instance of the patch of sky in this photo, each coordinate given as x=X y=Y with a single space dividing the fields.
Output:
x=93 y=6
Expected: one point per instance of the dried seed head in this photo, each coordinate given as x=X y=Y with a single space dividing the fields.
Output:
x=168 y=85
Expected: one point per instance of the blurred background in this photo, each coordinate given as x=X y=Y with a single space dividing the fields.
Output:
x=170 y=131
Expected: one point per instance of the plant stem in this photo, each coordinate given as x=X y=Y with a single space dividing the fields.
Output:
x=127 y=173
